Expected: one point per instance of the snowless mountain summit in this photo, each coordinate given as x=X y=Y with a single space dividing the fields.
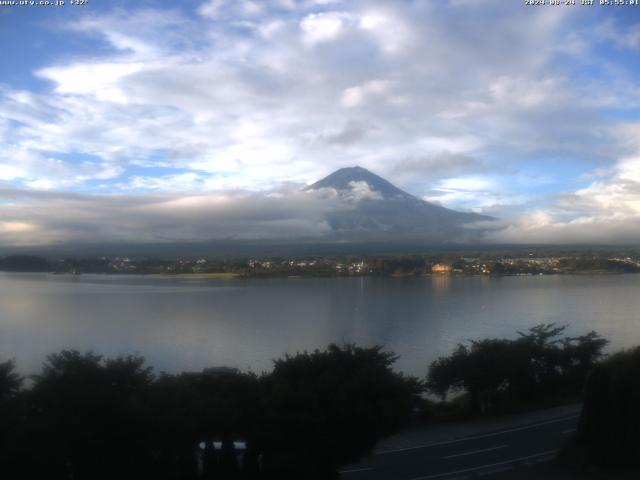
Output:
x=380 y=211
x=344 y=180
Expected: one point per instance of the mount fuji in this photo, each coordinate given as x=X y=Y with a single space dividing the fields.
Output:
x=380 y=211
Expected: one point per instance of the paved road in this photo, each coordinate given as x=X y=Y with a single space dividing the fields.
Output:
x=509 y=453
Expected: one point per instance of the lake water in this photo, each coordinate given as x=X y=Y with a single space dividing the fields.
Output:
x=180 y=324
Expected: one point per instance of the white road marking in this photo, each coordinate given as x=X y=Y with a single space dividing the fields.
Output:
x=476 y=451
x=493 y=471
x=489 y=465
x=354 y=470
x=567 y=432
x=475 y=437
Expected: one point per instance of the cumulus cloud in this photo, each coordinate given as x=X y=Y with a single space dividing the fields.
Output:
x=605 y=212
x=250 y=95
x=239 y=100
x=362 y=191
x=323 y=27
x=542 y=228
x=357 y=95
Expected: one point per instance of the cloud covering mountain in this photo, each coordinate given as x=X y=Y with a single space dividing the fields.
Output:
x=352 y=205
x=123 y=114
x=382 y=212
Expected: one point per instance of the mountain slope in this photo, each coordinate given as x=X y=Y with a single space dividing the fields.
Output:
x=379 y=211
x=341 y=180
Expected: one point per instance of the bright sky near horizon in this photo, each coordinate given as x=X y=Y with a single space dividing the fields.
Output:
x=119 y=118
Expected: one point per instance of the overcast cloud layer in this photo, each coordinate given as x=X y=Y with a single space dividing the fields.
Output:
x=166 y=121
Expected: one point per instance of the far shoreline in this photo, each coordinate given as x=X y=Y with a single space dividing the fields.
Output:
x=239 y=276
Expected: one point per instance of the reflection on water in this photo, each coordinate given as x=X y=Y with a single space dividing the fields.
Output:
x=181 y=324
x=440 y=284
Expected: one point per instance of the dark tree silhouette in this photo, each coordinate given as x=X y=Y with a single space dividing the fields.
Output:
x=12 y=431
x=90 y=417
x=609 y=426
x=500 y=374
x=203 y=408
x=485 y=370
x=10 y=381
x=327 y=408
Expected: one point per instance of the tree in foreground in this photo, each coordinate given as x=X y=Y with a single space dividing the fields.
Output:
x=10 y=381
x=328 y=408
x=90 y=418
x=608 y=434
x=501 y=374
x=12 y=433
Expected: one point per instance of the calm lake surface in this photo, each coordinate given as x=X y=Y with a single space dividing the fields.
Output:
x=180 y=324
